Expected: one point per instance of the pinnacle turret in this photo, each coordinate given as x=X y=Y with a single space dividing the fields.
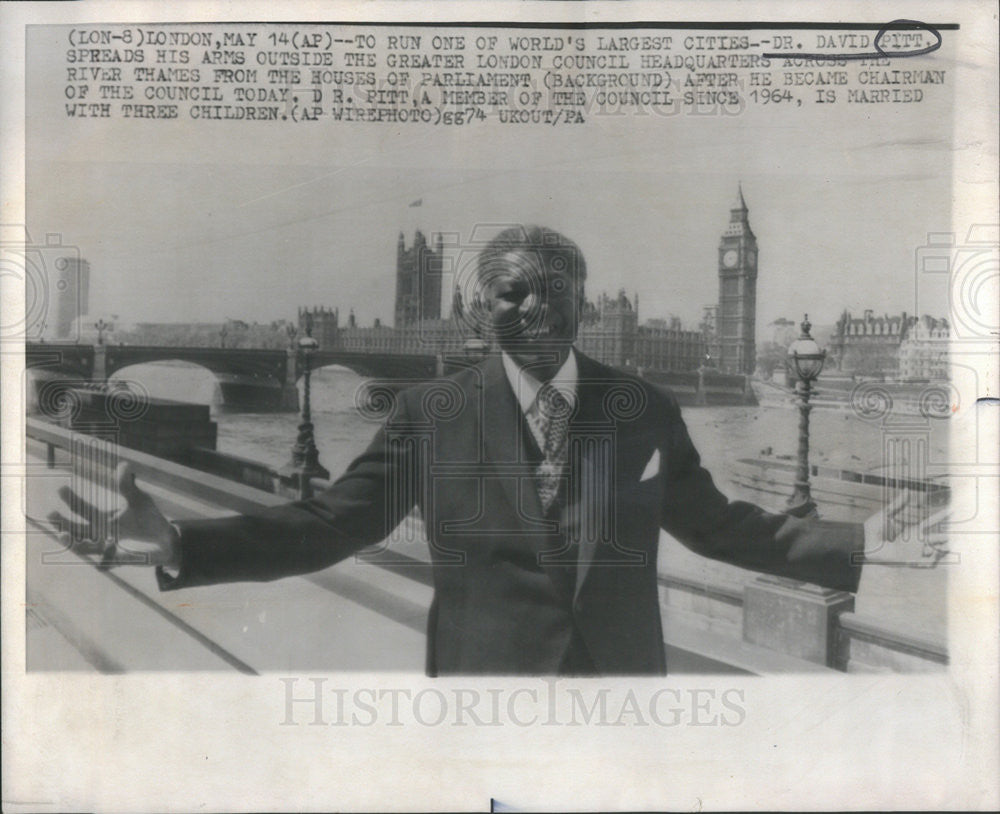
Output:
x=739 y=223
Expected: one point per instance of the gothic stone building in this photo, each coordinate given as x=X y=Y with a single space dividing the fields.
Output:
x=900 y=345
x=418 y=280
x=923 y=353
x=610 y=329
x=611 y=333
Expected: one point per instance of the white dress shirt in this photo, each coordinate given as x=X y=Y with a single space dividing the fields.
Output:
x=526 y=387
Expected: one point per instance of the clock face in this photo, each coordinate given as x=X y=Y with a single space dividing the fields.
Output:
x=729 y=258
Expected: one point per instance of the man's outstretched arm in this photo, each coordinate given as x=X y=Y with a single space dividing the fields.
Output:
x=359 y=509
x=824 y=552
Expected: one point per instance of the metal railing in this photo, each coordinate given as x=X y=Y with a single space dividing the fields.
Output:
x=94 y=456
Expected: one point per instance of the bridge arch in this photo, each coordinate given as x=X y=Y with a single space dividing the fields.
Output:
x=187 y=381
x=376 y=365
x=250 y=380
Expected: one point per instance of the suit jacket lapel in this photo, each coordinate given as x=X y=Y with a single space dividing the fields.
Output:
x=506 y=443
x=594 y=440
x=606 y=447
x=592 y=471
x=507 y=440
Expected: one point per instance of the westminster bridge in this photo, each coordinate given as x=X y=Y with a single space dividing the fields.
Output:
x=251 y=379
x=264 y=379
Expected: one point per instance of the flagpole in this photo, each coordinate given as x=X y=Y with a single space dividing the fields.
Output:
x=413 y=219
x=414 y=208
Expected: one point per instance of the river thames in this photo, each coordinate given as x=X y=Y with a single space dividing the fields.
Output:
x=838 y=437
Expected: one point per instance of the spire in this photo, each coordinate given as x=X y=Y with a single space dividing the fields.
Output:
x=739 y=222
x=740 y=203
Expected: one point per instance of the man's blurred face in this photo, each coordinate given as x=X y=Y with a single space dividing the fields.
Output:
x=535 y=302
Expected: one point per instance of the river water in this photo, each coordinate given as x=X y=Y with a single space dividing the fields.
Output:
x=914 y=598
x=838 y=437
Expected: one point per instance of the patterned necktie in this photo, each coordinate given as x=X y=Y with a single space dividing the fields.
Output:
x=553 y=416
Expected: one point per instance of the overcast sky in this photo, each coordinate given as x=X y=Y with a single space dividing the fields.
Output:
x=201 y=221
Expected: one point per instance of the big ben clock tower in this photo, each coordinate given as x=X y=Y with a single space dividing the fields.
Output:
x=737 y=313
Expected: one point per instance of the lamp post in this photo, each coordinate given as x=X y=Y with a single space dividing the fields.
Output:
x=806 y=360
x=700 y=397
x=305 y=465
x=223 y=333
x=101 y=326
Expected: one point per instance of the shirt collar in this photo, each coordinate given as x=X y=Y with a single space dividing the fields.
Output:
x=526 y=386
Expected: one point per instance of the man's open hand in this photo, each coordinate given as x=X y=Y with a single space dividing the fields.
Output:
x=137 y=534
x=909 y=532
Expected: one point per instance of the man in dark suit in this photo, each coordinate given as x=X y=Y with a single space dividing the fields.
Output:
x=543 y=479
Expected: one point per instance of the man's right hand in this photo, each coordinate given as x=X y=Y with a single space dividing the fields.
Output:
x=141 y=535
x=909 y=532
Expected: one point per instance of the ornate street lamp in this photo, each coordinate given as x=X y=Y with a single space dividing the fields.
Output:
x=101 y=326
x=305 y=464
x=806 y=360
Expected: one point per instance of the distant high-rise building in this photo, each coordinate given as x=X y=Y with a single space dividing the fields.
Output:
x=70 y=295
x=737 y=314
x=418 y=280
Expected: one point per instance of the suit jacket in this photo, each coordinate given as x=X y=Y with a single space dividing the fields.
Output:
x=517 y=589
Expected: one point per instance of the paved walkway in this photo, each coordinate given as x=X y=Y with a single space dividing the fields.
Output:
x=353 y=616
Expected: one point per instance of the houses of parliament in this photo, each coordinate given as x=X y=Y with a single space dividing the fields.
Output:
x=610 y=331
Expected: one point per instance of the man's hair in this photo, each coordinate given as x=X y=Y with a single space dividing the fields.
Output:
x=552 y=248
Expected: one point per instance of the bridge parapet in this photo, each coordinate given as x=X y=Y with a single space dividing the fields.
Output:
x=251 y=379
x=264 y=379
